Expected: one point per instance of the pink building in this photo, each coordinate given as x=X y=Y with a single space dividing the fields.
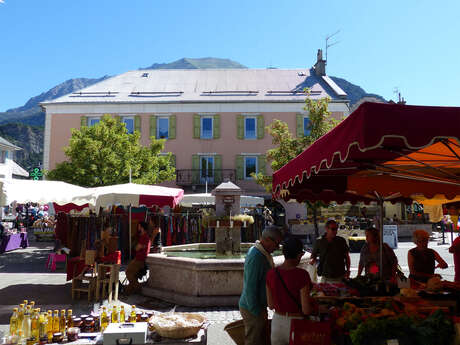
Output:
x=213 y=119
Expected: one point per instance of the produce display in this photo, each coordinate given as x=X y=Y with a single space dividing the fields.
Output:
x=176 y=325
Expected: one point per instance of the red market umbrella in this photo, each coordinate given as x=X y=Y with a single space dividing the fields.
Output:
x=380 y=152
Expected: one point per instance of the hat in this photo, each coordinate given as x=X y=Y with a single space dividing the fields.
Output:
x=292 y=247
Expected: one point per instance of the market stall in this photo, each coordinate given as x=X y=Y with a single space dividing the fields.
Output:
x=382 y=152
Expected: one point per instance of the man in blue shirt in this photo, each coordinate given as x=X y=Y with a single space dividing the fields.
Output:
x=253 y=300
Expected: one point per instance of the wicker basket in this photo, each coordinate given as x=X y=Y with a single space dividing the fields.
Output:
x=178 y=332
x=235 y=330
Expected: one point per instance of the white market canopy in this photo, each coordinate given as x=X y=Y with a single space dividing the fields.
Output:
x=207 y=199
x=43 y=192
x=137 y=195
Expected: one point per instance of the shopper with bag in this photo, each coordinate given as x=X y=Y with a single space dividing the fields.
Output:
x=253 y=300
x=288 y=292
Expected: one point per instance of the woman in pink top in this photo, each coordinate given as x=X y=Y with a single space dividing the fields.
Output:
x=288 y=292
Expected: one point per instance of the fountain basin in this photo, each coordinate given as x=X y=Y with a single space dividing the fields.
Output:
x=195 y=281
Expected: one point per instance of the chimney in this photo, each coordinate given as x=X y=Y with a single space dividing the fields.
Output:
x=320 y=65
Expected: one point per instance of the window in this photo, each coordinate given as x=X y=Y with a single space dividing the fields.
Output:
x=93 y=120
x=162 y=128
x=206 y=127
x=207 y=169
x=306 y=126
x=250 y=166
x=250 y=128
x=129 y=123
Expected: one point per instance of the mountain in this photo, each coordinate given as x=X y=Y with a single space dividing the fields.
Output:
x=188 y=63
x=23 y=126
x=354 y=92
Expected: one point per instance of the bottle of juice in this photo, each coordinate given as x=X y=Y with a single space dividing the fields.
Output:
x=62 y=322
x=104 y=319
x=32 y=305
x=26 y=322
x=14 y=322
x=43 y=325
x=132 y=316
x=34 y=325
x=114 y=314
x=122 y=313
x=25 y=302
x=56 y=321
x=69 y=319
x=49 y=325
x=20 y=316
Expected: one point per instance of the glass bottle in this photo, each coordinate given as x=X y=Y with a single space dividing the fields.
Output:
x=32 y=305
x=14 y=322
x=104 y=319
x=56 y=321
x=25 y=302
x=43 y=325
x=20 y=316
x=69 y=319
x=122 y=313
x=62 y=322
x=26 y=322
x=34 y=325
x=132 y=316
x=114 y=314
x=49 y=324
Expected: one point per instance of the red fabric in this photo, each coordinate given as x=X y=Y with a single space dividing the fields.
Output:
x=112 y=258
x=76 y=263
x=295 y=279
x=310 y=332
x=61 y=229
x=362 y=155
x=141 y=254
x=68 y=207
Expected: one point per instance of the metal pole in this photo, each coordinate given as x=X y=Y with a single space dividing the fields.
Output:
x=129 y=220
x=381 y=236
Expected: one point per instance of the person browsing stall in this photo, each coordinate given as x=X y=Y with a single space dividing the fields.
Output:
x=422 y=260
x=369 y=258
x=138 y=263
x=253 y=300
x=288 y=292
x=334 y=255
x=155 y=234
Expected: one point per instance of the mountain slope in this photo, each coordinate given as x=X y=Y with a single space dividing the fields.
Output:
x=188 y=63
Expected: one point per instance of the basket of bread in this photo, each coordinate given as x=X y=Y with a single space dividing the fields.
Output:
x=176 y=325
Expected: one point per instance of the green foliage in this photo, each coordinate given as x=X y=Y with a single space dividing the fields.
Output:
x=103 y=155
x=287 y=146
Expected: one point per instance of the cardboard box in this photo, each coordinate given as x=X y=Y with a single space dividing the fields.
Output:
x=125 y=333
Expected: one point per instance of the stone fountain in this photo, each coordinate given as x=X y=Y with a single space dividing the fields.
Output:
x=203 y=281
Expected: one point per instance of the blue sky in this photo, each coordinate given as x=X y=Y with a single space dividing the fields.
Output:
x=412 y=45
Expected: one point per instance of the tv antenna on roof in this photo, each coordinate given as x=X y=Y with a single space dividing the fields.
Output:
x=331 y=44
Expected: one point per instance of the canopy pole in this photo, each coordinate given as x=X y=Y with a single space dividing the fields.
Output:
x=129 y=220
x=380 y=226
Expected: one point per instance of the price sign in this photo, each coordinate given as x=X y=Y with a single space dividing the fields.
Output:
x=390 y=235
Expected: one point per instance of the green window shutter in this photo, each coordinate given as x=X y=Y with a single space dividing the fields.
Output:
x=173 y=160
x=172 y=127
x=261 y=163
x=240 y=127
x=239 y=167
x=218 y=169
x=153 y=126
x=196 y=126
x=216 y=126
x=137 y=123
x=260 y=127
x=83 y=121
x=299 y=128
x=195 y=169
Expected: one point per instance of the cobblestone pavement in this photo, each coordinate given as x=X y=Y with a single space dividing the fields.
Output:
x=23 y=275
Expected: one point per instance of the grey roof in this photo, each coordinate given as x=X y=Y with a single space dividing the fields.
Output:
x=6 y=143
x=207 y=85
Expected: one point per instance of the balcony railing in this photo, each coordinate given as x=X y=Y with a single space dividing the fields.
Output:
x=190 y=177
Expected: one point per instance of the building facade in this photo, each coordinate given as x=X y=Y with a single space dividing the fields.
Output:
x=213 y=120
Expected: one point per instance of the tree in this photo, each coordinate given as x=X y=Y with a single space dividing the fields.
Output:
x=105 y=153
x=288 y=147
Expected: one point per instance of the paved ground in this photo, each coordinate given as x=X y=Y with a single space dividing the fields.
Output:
x=23 y=275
